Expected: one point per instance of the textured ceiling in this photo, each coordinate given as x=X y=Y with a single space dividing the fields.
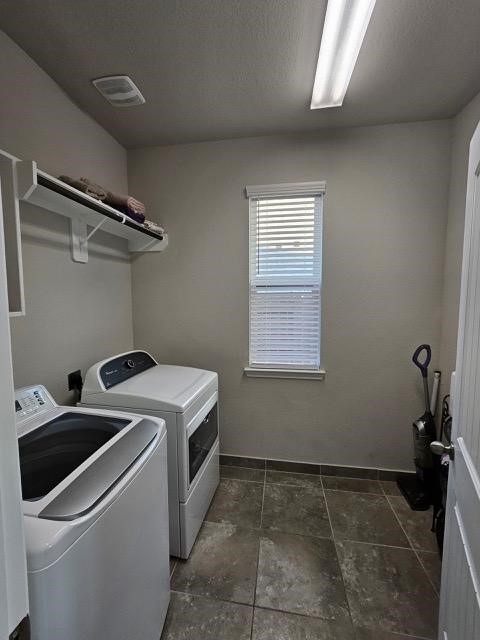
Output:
x=212 y=69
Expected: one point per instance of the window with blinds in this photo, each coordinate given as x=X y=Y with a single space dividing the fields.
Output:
x=285 y=275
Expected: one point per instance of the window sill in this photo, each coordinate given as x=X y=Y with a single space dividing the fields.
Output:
x=297 y=374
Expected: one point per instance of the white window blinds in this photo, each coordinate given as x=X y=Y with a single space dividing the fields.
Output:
x=285 y=275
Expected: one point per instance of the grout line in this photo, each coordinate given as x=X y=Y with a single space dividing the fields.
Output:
x=321 y=478
x=303 y=615
x=400 y=524
x=373 y=544
x=281 y=532
x=235 y=466
x=363 y=493
x=297 y=486
x=329 y=519
x=333 y=621
x=291 y=473
x=253 y=621
x=241 y=466
x=258 y=556
x=326 y=475
x=391 y=495
x=263 y=502
x=213 y=598
x=417 y=553
x=338 y=559
x=373 y=478
x=297 y=473
x=392 y=473
x=266 y=532
x=243 y=480
x=413 y=548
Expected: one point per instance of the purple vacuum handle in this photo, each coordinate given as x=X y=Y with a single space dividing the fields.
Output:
x=423 y=366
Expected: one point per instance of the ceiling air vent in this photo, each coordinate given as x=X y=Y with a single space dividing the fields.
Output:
x=120 y=91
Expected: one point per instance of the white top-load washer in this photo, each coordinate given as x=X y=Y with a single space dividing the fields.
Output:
x=95 y=503
x=187 y=399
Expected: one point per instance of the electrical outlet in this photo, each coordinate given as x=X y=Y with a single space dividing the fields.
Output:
x=75 y=381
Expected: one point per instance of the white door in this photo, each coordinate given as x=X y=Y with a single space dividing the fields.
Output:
x=460 y=596
x=13 y=570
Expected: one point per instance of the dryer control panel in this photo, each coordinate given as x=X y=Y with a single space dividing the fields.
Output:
x=124 y=367
x=31 y=401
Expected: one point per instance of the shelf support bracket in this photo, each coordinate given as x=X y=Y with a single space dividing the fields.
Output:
x=79 y=240
x=95 y=229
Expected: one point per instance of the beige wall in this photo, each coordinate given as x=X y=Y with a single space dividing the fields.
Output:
x=76 y=313
x=385 y=222
x=38 y=121
x=463 y=127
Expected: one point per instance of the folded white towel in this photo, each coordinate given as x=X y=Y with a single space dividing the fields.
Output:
x=153 y=226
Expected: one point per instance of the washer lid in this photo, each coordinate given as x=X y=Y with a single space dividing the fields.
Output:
x=100 y=476
x=160 y=388
x=55 y=449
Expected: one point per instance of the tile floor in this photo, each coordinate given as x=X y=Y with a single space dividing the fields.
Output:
x=294 y=556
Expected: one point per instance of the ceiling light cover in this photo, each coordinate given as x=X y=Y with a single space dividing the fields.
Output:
x=119 y=91
x=346 y=23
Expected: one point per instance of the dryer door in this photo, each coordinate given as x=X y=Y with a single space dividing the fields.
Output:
x=201 y=441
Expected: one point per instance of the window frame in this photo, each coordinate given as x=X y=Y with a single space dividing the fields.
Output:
x=284 y=190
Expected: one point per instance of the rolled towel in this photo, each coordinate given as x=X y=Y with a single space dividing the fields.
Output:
x=153 y=226
x=127 y=205
x=126 y=202
x=116 y=200
x=95 y=188
x=94 y=191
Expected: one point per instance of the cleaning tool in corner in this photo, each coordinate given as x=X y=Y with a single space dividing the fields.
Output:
x=422 y=490
x=436 y=384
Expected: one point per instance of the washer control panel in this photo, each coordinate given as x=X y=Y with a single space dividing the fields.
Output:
x=31 y=401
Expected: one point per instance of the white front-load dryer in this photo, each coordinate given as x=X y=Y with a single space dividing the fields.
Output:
x=95 y=503
x=187 y=399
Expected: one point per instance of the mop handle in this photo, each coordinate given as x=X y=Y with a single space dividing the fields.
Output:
x=423 y=366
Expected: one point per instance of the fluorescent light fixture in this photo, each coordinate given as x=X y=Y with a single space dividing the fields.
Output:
x=346 y=22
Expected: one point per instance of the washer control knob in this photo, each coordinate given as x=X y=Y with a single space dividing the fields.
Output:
x=130 y=364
